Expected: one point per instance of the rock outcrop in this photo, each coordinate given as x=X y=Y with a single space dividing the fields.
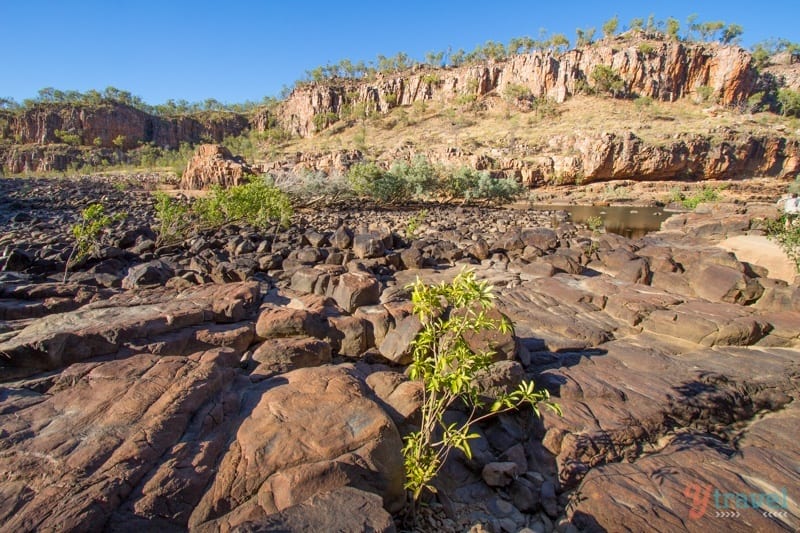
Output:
x=102 y=124
x=213 y=164
x=671 y=70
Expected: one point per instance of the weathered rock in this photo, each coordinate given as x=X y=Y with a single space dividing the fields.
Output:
x=285 y=322
x=213 y=164
x=275 y=356
x=500 y=378
x=348 y=335
x=155 y=272
x=396 y=346
x=355 y=289
x=282 y=455
x=720 y=283
x=342 y=238
x=111 y=424
x=368 y=245
x=341 y=509
x=16 y=260
x=499 y=474
x=63 y=339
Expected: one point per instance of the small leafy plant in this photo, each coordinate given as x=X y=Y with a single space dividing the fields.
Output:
x=173 y=218
x=87 y=233
x=594 y=223
x=705 y=195
x=447 y=366
x=412 y=227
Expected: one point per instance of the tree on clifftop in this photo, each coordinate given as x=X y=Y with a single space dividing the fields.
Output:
x=610 y=26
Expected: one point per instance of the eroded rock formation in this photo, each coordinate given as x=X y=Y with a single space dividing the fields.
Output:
x=671 y=70
x=213 y=164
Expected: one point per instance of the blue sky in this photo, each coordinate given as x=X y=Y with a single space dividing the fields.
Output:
x=236 y=50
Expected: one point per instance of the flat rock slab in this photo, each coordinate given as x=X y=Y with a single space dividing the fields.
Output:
x=61 y=339
x=698 y=483
x=73 y=452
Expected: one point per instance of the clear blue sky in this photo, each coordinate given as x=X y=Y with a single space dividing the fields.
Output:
x=236 y=50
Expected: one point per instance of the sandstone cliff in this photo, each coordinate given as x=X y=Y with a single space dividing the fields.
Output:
x=664 y=70
x=108 y=121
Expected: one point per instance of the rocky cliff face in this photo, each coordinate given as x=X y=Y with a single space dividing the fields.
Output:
x=663 y=70
x=107 y=122
x=586 y=158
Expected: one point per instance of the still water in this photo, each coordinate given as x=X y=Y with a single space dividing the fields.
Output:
x=631 y=221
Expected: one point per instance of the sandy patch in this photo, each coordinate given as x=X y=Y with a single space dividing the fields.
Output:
x=760 y=251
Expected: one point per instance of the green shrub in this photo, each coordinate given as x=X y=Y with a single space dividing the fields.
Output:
x=257 y=203
x=87 y=233
x=515 y=92
x=705 y=93
x=785 y=231
x=323 y=120
x=495 y=190
x=368 y=179
x=545 y=107
x=414 y=222
x=461 y=181
x=594 y=223
x=607 y=80
x=66 y=137
x=119 y=141
x=789 y=101
x=447 y=366
x=646 y=49
x=173 y=218
x=420 y=175
x=705 y=195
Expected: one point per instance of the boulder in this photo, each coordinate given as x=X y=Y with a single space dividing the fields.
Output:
x=155 y=272
x=355 y=289
x=368 y=246
x=308 y=432
x=396 y=346
x=341 y=509
x=500 y=474
x=213 y=164
x=275 y=356
x=288 y=322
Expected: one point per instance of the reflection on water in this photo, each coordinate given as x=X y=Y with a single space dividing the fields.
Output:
x=629 y=221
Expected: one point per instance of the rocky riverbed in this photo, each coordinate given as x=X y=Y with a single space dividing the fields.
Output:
x=254 y=381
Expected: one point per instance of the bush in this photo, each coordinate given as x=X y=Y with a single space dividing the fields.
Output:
x=705 y=195
x=607 y=80
x=786 y=232
x=461 y=181
x=368 y=179
x=173 y=218
x=646 y=49
x=323 y=120
x=87 y=233
x=66 y=137
x=515 y=93
x=257 y=203
x=789 y=101
x=495 y=190
x=414 y=222
x=447 y=366
x=420 y=175
x=704 y=93
x=119 y=141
